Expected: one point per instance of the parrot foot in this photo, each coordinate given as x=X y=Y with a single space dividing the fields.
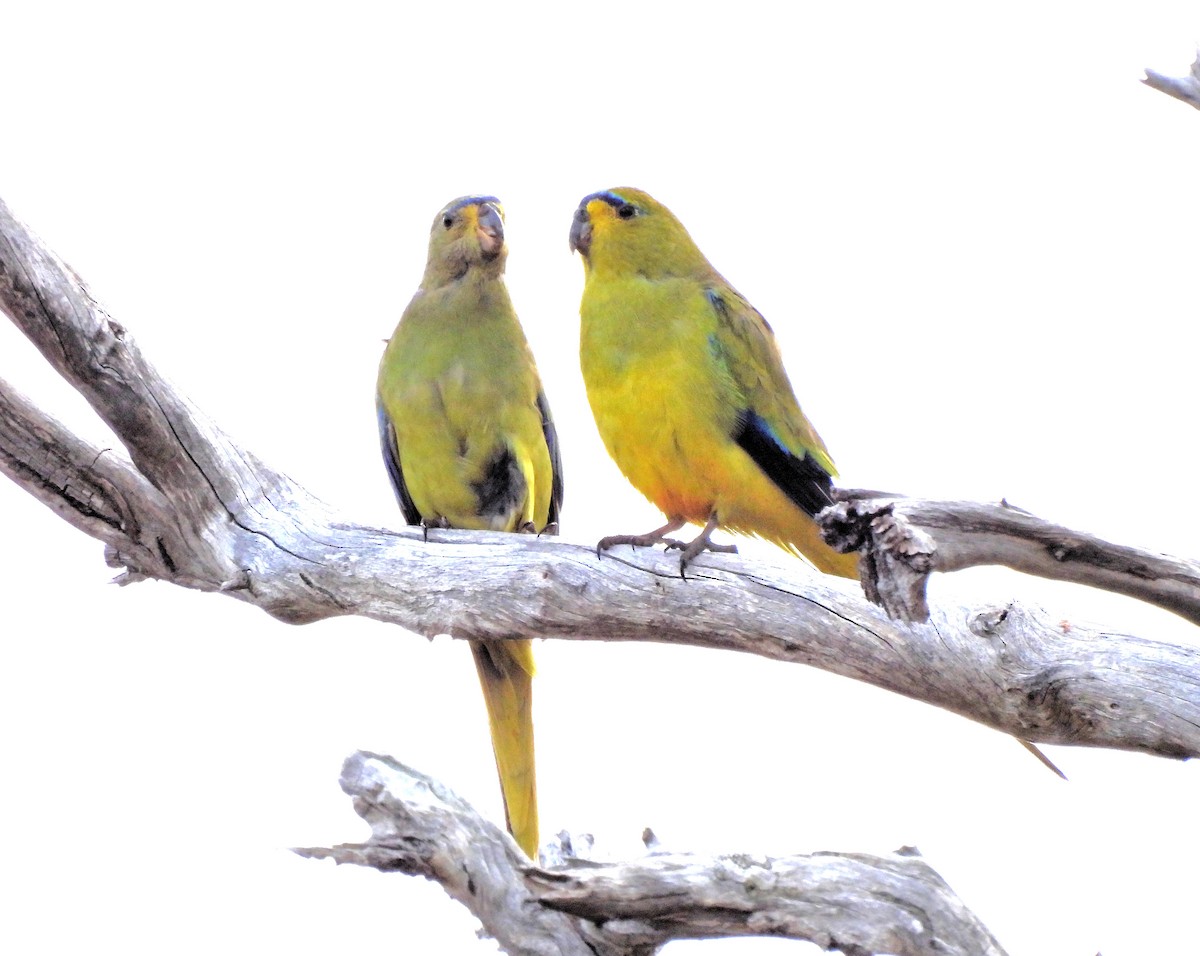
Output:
x=527 y=528
x=636 y=541
x=700 y=544
x=551 y=528
x=439 y=522
x=649 y=540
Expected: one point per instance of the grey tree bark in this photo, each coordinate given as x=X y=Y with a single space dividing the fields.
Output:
x=1185 y=88
x=185 y=504
x=903 y=540
x=854 y=903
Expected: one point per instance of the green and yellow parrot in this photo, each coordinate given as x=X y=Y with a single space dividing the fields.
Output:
x=468 y=441
x=689 y=390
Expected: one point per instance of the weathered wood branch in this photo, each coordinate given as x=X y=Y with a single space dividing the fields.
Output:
x=192 y=508
x=1185 y=88
x=855 y=903
x=904 y=540
x=94 y=489
x=422 y=828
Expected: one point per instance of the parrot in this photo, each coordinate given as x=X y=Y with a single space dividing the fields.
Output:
x=689 y=392
x=468 y=442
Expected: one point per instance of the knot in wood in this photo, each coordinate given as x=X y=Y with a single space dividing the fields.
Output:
x=987 y=622
x=115 y=327
x=845 y=526
x=1050 y=707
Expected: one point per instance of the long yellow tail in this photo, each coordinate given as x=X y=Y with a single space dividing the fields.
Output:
x=506 y=675
x=834 y=562
x=798 y=533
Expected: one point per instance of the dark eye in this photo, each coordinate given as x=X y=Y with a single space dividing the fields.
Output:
x=628 y=211
x=447 y=221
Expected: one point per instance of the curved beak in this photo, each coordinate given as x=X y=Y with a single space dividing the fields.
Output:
x=581 y=231
x=489 y=228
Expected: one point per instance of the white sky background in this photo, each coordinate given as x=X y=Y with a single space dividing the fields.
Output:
x=974 y=234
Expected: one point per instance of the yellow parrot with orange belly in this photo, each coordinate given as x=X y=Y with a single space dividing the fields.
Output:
x=690 y=394
x=688 y=388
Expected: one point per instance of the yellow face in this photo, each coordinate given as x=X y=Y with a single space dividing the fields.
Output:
x=625 y=230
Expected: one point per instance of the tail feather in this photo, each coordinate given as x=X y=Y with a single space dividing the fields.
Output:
x=506 y=676
x=829 y=561
x=798 y=533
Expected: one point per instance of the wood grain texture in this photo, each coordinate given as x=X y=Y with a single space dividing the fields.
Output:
x=904 y=540
x=855 y=903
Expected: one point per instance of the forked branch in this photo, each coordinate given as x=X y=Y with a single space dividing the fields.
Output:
x=189 y=506
x=183 y=503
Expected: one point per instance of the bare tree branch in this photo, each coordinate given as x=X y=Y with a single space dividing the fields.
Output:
x=855 y=903
x=94 y=489
x=194 y=509
x=1185 y=88
x=189 y=506
x=904 y=540
x=422 y=828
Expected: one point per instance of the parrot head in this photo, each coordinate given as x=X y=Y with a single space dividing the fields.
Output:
x=467 y=234
x=627 y=231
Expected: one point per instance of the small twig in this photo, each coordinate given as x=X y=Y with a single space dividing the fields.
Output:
x=1185 y=88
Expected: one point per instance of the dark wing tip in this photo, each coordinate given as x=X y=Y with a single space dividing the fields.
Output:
x=802 y=479
x=556 y=481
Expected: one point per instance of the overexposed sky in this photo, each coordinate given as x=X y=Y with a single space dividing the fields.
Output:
x=973 y=231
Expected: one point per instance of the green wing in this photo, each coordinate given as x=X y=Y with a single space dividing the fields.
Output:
x=769 y=425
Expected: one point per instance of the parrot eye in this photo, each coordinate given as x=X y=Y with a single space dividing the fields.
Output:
x=447 y=221
x=627 y=211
